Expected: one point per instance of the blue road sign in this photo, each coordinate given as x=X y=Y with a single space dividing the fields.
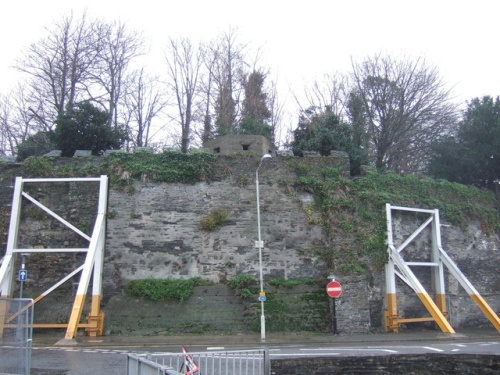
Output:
x=262 y=298
x=23 y=275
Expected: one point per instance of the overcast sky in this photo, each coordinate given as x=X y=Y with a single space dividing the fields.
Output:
x=301 y=40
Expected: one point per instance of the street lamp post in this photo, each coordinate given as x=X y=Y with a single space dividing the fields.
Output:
x=260 y=244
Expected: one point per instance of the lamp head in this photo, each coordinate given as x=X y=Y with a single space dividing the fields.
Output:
x=265 y=156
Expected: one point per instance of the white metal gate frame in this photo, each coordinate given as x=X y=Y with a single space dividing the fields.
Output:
x=93 y=260
x=397 y=266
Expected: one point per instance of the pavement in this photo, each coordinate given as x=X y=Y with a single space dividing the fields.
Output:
x=272 y=339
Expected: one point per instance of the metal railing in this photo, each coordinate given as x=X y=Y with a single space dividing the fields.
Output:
x=141 y=365
x=16 y=332
x=240 y=362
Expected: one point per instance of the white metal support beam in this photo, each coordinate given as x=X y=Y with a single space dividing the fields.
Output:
x=421 y=292
x=391 y=314
x=93 y=261
x=437 y=273
x=7 y=268
x=398 y=266
x=55 y=216
x=401 y=268
x=469 y=288
x=76 y=311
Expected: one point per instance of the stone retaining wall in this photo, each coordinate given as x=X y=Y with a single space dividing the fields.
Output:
x=418 y=364
x=153 y=230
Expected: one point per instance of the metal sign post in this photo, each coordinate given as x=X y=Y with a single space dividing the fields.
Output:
x=334 y=290
x=23 y=275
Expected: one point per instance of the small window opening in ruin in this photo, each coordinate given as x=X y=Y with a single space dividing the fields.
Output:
x=217 y=150
x=246 y=147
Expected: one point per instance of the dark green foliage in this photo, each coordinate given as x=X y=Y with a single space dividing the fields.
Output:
x=323 y=133
x=458 y=204
x=39 y=167
x=295 y=311
x=358 y=121
x=352 y=213
x=36 y=214
x=472 y=156
x=255 y=102
x=214 y=220
x=255 y=112
x=291 y=305
x=35 y=145
x=162 y=289
x=243 y=285
x=84 y=127
x=281 y=282
x=252 y=127
x=169 y=166
x=225 y=109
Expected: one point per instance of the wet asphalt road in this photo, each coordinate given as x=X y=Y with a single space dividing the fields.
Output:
x=112 y=361
x=108 y=355
x=77 y=362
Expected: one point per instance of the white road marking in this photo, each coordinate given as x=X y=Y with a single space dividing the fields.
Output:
x=389 y=351
x=488 y=343
x=303 y=354
x=431 y=348
x=350 y=349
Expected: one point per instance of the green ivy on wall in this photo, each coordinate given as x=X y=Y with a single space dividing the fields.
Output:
x=352 y=212
x=163 y=289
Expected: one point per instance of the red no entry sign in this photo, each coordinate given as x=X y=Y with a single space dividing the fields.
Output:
x=334 y=289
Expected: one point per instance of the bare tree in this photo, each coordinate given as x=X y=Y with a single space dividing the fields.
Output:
x=277 y=108
x=184 y=62
x=406 y=107
x=330 y=92
x=59 y=67
x=17 y=122
x=144 y=103
x=117 y=49
x=206 y=92
x=78 y=59
x=228 y=67
x=7 y=139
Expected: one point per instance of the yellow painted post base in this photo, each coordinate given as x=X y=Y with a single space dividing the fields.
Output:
x=96 y=325
x=391 y=323
x=391 y=314
x=74 y=318
x=441 y=303
x=487 y=310
x=433 y=309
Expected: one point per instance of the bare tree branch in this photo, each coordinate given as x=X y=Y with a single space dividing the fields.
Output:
x=144 y=103
x=184 y=62
x=407 y=108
